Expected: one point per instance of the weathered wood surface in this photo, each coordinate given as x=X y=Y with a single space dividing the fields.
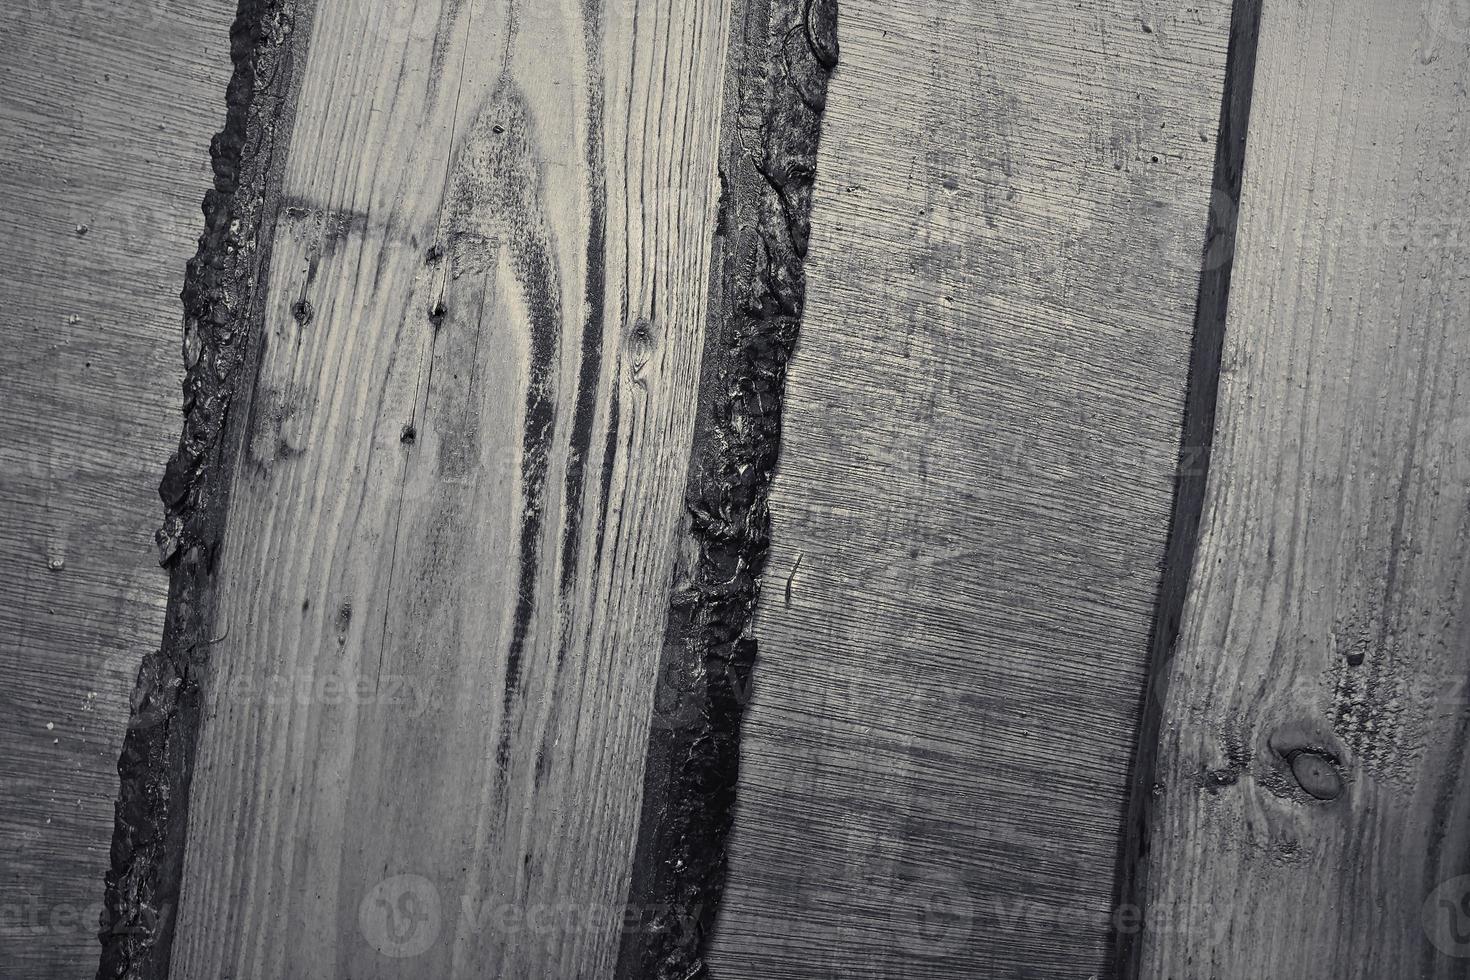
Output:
x=441 y=621
x=981 y=431
x=106 y=109
x=1311 y=817
x=444 y=582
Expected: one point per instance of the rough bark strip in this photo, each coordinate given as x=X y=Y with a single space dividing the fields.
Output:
x=782 y=56
x=221 y=298
x=1218 y=259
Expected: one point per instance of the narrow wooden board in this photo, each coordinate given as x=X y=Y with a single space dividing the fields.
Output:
x=982 y=425
x=1309 y=815
x=106 y=109
x=436 y=615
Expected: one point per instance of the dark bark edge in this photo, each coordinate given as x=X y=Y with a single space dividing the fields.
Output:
x=782 y=54
x=1191 y=474
x=223 y=297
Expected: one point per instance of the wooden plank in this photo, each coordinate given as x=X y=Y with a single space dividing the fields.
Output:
x=1310 y=816
x=982 y=424
x=782 y=54
x=424 y=649
x=105 y=110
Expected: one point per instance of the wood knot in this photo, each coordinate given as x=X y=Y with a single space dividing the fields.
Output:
x=1313 y=758
x=1218 y=779
x=640 y=346
x=302 y=312
x=1316 y=773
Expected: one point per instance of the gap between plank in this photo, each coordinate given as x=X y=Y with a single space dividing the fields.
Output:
x=1191 y=476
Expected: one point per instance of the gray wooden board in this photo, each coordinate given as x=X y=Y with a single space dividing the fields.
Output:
x=982 y=425
x=106 y=110
x=1310 y=817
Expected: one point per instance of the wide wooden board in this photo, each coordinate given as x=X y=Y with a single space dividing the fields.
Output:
x=106 y=109
x=447 y=566
x=1309 y=810
x=983 y=420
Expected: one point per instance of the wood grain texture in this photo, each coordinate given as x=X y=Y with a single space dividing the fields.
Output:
x=981 y=431
x=782 y=54
x=106 y=108
x=1309 y=817
x=446 y=571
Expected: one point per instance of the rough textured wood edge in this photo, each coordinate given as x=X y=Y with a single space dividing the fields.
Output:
x=1191 y=474
x=222 y=300
x=776 y=93
x=783 y=53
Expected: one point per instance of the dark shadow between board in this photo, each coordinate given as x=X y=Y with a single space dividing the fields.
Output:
x=1191 y=476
